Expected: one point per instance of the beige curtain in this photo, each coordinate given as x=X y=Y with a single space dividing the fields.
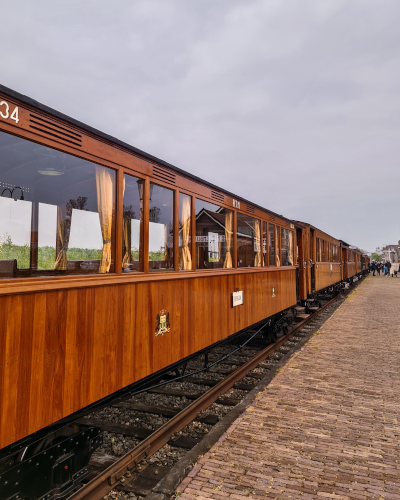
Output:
x=257 y=244
x=228 y=239
x=277 y=246
x=186 y=258
x=290 y=249
x=63 y=230
x=126 y=237
x=104 y=185
x=127 y=230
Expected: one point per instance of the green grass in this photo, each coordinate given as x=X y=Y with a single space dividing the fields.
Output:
x=46 y=255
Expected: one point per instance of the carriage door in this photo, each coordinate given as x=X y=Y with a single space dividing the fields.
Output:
x=312 y=259
x=301 y=271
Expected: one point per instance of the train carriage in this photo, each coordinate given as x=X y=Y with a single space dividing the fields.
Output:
x=115 y=265
x=319 y=261
x=351 y=259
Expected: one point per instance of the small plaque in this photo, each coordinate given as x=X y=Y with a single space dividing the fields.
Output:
x=237 y=298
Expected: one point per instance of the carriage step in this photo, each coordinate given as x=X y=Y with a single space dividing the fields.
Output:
x=299 y=309
x=313 y=308
x=301 y=317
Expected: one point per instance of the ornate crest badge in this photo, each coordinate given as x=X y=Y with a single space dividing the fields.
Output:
x=162 y=323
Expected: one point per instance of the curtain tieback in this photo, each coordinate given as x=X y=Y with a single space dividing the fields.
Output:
x=106 y=241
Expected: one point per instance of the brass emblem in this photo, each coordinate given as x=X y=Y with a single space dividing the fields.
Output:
x=162 y=323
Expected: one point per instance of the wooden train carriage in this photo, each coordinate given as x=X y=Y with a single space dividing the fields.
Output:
x=365 y=260
x=351 y=258
x=319 y=259
x=115 y=264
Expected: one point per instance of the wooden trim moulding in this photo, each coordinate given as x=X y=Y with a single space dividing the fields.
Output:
x=37 y=285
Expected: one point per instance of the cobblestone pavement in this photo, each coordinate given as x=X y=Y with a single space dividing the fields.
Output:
x=328 y=424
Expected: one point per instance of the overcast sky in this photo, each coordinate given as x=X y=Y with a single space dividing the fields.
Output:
x=291 y=104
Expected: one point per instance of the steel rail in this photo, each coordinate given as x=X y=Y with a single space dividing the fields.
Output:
x=109 y=479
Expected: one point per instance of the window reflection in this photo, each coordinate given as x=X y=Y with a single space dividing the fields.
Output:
x=214 y=236
x=278 y=247
x=185 y=232
x=56 y=212
x=248 y=241
x=271 y=244
x=161 y=229
x=265 y=244
x=132 y=227
x=287 y=247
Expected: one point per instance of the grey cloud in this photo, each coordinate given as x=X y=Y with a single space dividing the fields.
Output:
x=294 y=105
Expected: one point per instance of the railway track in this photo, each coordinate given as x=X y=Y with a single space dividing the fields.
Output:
x=184 y=403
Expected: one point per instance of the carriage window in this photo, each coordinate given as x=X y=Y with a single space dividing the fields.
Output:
x=265 y=244
x=214 y=236
x=319 y=250
x=185 y=232
x=271 y=244
x=287 y=247
x=248 y=241
x=132 y=224
x=278 y=247
x=56 y=212
x=161 y=229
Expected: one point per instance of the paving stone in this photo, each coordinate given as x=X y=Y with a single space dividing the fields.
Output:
x=327 y=425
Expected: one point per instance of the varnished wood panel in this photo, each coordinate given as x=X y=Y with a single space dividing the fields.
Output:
x=326 y=274
x=62 y=350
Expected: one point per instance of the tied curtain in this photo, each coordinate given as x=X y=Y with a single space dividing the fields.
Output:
x=127 y=237
x=277 y=246
x=63 y=231
x=257 y=244
x=186 y=258
x=290 y=249
x=228 y=239
x=104 y=186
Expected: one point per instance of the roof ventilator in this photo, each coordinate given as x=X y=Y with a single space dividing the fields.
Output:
x=217 y=196
x=250 y=209
x=54 y=130
x=164 y=175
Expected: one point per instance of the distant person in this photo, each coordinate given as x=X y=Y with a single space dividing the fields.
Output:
x=384 y=269
x=373 y=267
x=388 y=267
x=378 y=268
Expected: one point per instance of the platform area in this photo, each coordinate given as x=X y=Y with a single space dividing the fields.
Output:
x=328 y=425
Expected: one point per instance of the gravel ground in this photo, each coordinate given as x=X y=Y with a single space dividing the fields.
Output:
x=161 y=400
x=187 y=387
x=128 y=417
x=116 y=444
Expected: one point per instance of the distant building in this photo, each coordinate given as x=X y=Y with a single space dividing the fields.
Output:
x=390 y=252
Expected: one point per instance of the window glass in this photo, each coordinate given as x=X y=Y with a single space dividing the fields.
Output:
x=132 y=224
x=161 y=229
x=271 y=244
x=265 y=244
x=56 y=212
x=185 y=232
x=319 y=250
x=248 y=241
x=214 y=236
x=278 y=247
x=287 y=247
